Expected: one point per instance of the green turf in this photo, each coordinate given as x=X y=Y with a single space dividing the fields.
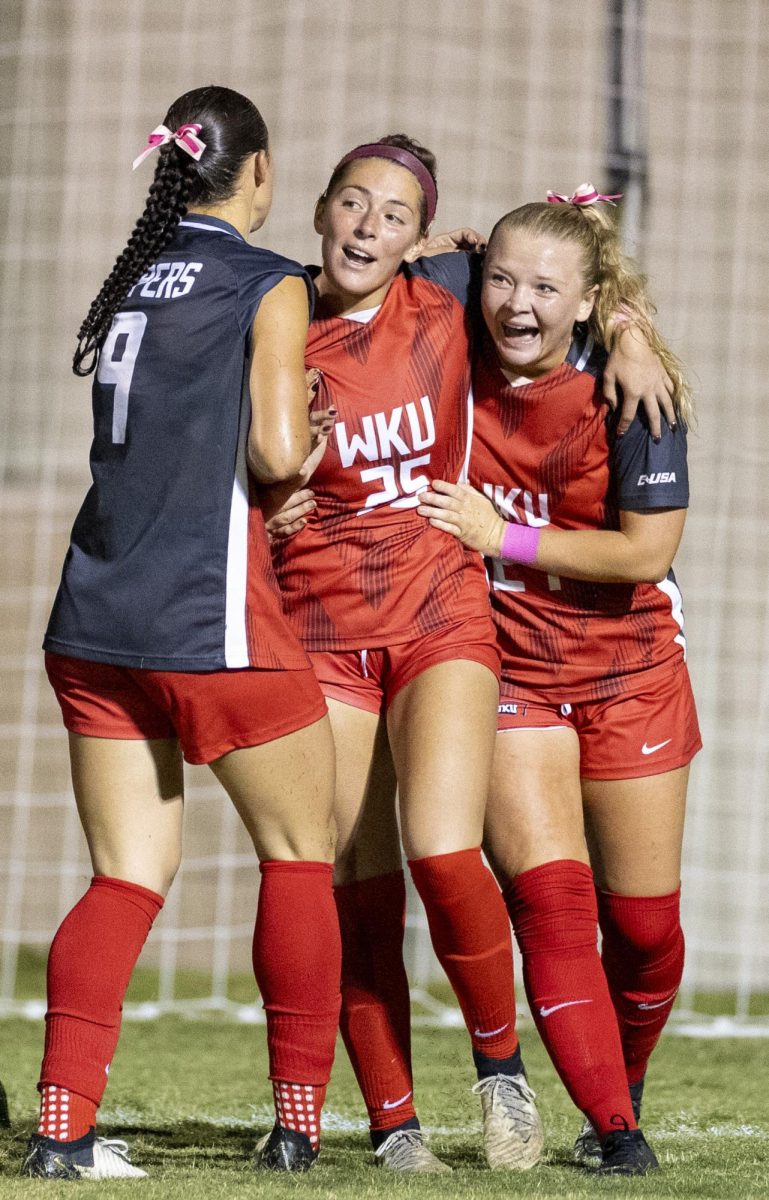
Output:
x=191 y=1095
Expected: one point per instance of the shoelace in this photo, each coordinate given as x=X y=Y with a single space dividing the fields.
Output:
x=512 y=1092
x=401 y=1142
x=117 y=1145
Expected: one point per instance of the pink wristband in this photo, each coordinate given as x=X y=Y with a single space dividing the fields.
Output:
x=520 y=543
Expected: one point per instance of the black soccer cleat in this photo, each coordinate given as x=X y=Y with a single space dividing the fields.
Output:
x=88 y=1157
x=626 y=1152
x=587 y=1147
x=284 y=1150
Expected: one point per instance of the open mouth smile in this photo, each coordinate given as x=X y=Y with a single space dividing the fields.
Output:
x=357 y=257
x=519 y=332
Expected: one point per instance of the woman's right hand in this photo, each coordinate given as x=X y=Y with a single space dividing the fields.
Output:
x=291 y=517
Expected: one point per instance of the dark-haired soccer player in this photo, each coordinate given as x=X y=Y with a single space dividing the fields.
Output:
x=167 y=636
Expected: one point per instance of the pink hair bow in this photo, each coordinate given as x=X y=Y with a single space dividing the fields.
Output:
x=585 y=194
x=186 y=138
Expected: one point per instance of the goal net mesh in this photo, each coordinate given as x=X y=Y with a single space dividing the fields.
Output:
x=514 y=97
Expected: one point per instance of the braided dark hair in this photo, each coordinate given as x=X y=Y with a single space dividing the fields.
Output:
x=403 y=142
x=232 y=129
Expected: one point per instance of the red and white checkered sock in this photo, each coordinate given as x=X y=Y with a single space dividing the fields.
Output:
x=65 y=1116
x=298 y=1107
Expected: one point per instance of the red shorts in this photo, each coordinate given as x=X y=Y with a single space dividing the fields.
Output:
x=210 y=712
x=371 y=679
x=630 y=736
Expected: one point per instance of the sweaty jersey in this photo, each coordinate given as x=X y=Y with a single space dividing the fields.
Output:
x=169 y=566
x=546 y=454
x=367 y=570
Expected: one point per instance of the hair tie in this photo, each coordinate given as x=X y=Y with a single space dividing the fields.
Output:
x=585 y=194
x=185 y=137
x=407 y=160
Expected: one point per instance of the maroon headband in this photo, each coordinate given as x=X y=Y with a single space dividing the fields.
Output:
x=407 y=160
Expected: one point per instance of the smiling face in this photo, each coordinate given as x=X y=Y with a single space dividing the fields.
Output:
x=369 y=224
x=533 y=292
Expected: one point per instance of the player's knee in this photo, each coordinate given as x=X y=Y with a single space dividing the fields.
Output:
x=644 y=928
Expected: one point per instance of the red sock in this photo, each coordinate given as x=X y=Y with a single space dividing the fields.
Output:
x=89 y=967
x=643 y=956
x=298 y=1107
x=64 y=1116
x=554 y=915
x=376 y=1010
x=297 y=964
x=471 y=936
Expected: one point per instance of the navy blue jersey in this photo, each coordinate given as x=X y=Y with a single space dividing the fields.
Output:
x=456 y=271
x=648 y=474
x=168 y=566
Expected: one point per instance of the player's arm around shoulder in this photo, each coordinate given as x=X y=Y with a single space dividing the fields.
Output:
x=279 y=436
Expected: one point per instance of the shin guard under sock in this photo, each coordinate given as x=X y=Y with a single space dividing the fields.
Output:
x=643 y=957
x=89 y=968
x=376 y=1011
x=297 y=964
x=553 y=911
x=470 y=933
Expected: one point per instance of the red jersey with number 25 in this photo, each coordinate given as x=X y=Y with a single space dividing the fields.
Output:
x=545 y=454
x=367 y=570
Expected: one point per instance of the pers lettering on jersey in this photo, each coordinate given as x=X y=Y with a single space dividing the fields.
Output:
x=167 y=280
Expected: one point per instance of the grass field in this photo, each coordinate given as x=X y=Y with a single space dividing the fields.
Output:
x=190 y=1097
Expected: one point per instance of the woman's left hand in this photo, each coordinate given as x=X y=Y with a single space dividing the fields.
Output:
x=635 y=370
x=458 y=509
x=467 y=239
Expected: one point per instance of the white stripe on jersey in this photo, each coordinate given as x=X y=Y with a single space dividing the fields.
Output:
x=464 y=474
x=235 y=635
x=585 y=355
x=670 y=588
x=209 y=228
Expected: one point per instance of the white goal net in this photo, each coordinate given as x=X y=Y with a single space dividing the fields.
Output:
x=514 y=99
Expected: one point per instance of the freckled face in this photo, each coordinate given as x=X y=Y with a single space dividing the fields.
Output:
x=533 y=292
x=369 y=226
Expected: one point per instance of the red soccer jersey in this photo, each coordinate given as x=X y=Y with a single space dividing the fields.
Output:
x=367 y=571
x=544 y=455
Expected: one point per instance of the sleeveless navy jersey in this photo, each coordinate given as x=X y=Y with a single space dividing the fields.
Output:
x=168 y=566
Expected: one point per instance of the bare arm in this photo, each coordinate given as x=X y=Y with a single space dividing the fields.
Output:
x=635 y=375
x=640 y=551
x=279 y=437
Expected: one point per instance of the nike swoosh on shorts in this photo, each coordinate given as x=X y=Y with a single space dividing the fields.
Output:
x=653 y=749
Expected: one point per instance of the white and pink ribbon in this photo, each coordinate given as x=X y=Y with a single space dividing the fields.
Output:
x=186 y=138
x=585 y=194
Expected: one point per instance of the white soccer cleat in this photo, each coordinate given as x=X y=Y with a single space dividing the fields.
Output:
x=111 y=1161
x=513 y=1137
x=405 y=1150
x=88 y=1158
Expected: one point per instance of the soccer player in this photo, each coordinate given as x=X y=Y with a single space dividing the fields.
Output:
x=167 y=636
x=596 y=711
x=395 y=617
